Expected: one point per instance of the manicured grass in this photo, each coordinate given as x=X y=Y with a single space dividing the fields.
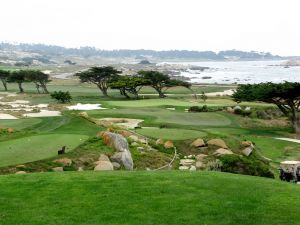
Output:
x=277 y=150
x=170 y=134
x=154 y=116
x=20 y=123
x=149 y=198
x=33 y=148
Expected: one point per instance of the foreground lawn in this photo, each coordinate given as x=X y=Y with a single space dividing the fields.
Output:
x=146 y=198
x=33 y=148
x=170 y=134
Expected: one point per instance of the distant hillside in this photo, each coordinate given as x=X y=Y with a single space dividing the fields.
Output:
x=50 y=51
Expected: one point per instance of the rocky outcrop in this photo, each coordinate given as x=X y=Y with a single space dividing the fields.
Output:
x=21 y=172
x=222 y=151
x=198 y=143
x=103 y=166
x=169 y=144
x=217 y=142
x=159 y=142
x=120 y=145
x=58 y=169
x=63 y=161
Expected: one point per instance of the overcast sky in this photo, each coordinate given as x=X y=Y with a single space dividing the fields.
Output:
x=262 y=25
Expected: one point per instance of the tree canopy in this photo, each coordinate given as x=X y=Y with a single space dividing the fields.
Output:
x=39 y=78
x=4 y=75
x=285 y=95
x=128 y=84
x=100 y=76
x=161 y=82
x=18 y=77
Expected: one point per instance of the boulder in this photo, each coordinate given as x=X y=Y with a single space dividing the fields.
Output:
x=83 y=114
x=104 y=166
x=20 y=166
x=64 y=161
x=193 y=168
x=217 y=142
x=186 y=162
x=198 y=143
x=247 y=151
x=200 y=157
x=246 y=144
x=125 y=133
x=199 y=164
x=223 y=151
x=229 y=110
x=21 y=172
x=169 y=144
x=80 y=169
x=183 y=167
x=116 y=165
x=103 y=157
x=10 y=130
x=58 y=169
x=159 y=141
x=120 y=144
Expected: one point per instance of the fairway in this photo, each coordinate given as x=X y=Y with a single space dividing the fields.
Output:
x=170 y=134
x=152 y=198
x=33 y=148
x=158 y=115
x=20 y=123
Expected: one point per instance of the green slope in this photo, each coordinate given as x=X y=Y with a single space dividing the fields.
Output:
x=147 y=198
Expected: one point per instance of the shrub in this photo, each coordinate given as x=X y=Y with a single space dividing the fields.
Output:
x=199 y=109
x=61 y=96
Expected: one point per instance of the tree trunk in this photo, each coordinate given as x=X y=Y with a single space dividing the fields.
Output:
x=295 y=119
x=160 y=93
x=45 y=88
x=37 y=87
x=4 y=84
x=21 y=88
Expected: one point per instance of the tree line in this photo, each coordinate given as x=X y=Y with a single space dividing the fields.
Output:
x=108 y=77
x=19 y=77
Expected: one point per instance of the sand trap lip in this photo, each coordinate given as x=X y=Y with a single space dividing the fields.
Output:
x=122 y=122
x=43 y=113
x=80 y=106
x=4 y=116
x=289 y=139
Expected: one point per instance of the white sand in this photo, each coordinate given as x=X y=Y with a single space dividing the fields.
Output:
x=43 y=113
x=80 y=106
x=289 y=139
x=4 y=116
x=223 y=93
x=123 y=122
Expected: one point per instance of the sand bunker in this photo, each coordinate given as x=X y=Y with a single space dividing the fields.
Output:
x=223 y=93
x=4 y=116
x=124 y=123
x=289 y=139
x=43 y=113
x=80 y=106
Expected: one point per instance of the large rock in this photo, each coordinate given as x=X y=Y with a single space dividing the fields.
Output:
x=246 y=144
x=247 y=151
x=58 y=169
x=198 y=143
x=183 y=167
x=222 y=151
x=200 y=157
x=217 y=142
x=169 y=144
x=159 y=141
x=103 y=157
x=116 y=165
x=21 y=172
x=104 y=166
x=120 y=144
x=199 y=165
x=64 y=161
x=186 y=162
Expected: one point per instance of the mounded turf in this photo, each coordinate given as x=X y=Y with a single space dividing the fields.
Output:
x=20 y=123
x=33 y=148
x=170 y=134
x=146 y=198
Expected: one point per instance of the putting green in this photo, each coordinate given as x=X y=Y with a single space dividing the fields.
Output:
x=170 y=134
x=35 y=148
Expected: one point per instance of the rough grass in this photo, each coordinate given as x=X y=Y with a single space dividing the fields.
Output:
x=200 y=198
x=33 y=148
x=170 y=134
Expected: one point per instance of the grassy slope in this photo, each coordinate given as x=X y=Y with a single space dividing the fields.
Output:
x=147 y=198
x=35 y=148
